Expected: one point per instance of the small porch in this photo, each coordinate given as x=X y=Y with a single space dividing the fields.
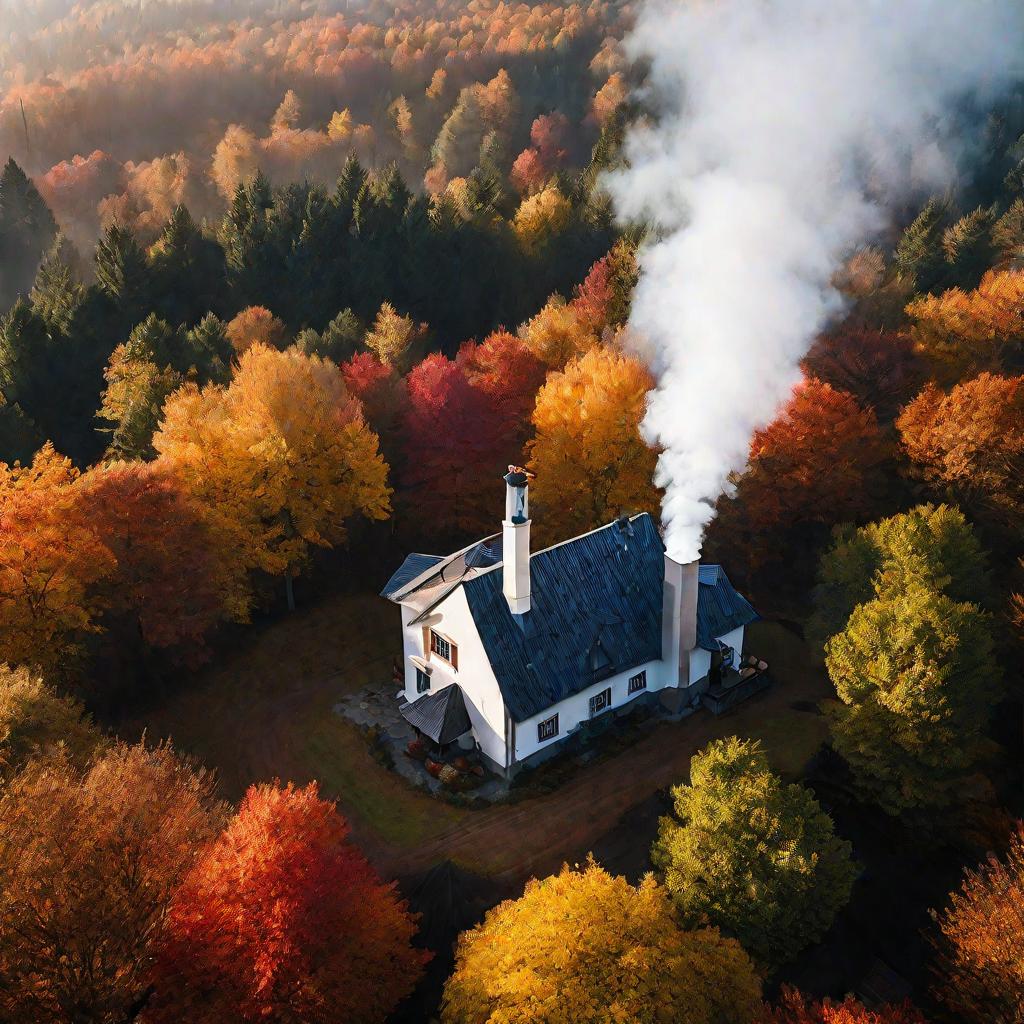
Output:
x=731 y=686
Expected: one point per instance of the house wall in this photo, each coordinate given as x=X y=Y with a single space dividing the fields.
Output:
x=452 y=619
x=575 y=710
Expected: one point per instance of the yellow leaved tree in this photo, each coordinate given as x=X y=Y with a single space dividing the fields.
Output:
x=590 y=460
x=281 y=459
x=586 y=947
x=540 y=217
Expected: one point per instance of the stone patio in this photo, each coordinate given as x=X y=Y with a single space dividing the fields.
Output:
x=376 y=706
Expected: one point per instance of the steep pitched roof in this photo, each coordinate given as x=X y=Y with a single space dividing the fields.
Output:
x=414 y=565
x=720 y=607
x=595 y=610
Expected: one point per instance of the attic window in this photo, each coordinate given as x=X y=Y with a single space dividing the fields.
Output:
x=444 y=649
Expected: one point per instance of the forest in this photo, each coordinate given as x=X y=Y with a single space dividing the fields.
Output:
x=283 y=292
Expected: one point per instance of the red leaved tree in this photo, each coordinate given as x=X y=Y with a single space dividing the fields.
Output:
x=382 y=393
x=795 y=1008
x=282 y=919
x=169 y=579
x=817 y=464
x=504 y=368
x=594 y=296
x=455 y=452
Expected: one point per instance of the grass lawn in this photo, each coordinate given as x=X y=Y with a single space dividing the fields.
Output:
x=265 y=711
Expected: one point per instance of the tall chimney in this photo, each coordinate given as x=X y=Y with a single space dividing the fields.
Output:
x=679 y=615
x=515 y=541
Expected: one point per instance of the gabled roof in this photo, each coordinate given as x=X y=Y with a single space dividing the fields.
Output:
x=440 y=576
x=595 y=611
x=441 y=715
x=414 y=565
x=720 y=607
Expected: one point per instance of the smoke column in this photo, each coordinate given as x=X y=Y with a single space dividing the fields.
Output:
x=780 y=130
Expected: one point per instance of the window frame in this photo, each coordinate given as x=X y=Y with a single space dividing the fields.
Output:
x=640 y=679
x=543 y=737
x=606 y=696
x=452 y=658
x=422 y=680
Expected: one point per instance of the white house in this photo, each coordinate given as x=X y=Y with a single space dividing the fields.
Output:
x=513 y=651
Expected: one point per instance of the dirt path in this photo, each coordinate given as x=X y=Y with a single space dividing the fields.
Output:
x=265 y=713
x=537 y=836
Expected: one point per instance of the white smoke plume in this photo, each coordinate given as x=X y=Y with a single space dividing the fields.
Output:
x=782 y=130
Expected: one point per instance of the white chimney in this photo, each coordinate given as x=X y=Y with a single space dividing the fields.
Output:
x=515 y=541
x=679 y=615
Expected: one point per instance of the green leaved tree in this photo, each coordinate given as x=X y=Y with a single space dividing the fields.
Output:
x=753 y=855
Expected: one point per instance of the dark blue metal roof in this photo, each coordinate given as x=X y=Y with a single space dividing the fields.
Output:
x=441 y=715
x=412 y=567
x=720 y=607
x=595 y=610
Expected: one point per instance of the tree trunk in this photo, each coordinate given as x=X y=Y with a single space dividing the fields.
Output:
x=289 y=592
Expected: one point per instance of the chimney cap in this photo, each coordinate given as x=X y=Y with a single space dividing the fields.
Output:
x=517 y=476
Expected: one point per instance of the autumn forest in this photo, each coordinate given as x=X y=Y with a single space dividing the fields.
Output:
x=284 y=289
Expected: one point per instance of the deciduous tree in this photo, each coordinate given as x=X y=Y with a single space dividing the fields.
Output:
x=88 y=865
x=395 y=339
x=962 y=333
x=795 y=1008
x=918 y=681
x=283 y=919
x=36 y=721
x=255 y=325
x=932 y=545
x=980 y=972
x=558 y=333
x=454 y=451
x=588 y=947
x=591 y=462
x=51 y=558
x=757 y=858
x=504 y=368
x=170 y=579
x=969 y=444
x=540 y=218
x=281 y=459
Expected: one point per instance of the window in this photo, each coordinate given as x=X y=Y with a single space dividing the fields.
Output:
x=638 y=682
x=422 y=681
x=547 y=729
x=600 y=702
x=444 y=649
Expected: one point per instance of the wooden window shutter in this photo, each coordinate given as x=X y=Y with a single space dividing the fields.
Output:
x=426 y=643
x=455 y=657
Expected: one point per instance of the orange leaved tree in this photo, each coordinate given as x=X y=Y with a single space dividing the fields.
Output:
x=88 y=864
x=969 y=443
x=795 y=1008
x=170 y=579
x=590 y=460
x=963 y=333
x=981 y=962
x=282 y=919
x=51 y=558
